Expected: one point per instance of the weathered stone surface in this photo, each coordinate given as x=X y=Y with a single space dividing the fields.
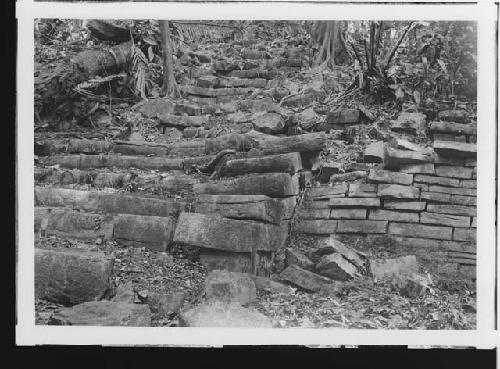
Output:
x=362 y=226
x=474 y=222
x=404 y=205
x=451 y=148
x=348 y=213
x=451 y=182
x=134 y=148
x=268 y=285
x=470 y=162
x=344 y=116
x=270 y=184
x=304 y=279
x=350 y=176
x=85 y=146
x=403 y=144
x=409 y=122
x=317 y=226
x=153 y=107
x=327 y=169
x=396 y=216
x=395 y=158
x=270 y=123
x=219 y=314
x=394 y=191
x=61 y=222
x=256 y=207
x=420 y=230
x=295 y=257
x=280 y=163
x=444 y=219
x=307 y=118
x=421 y=186
x=154 y=233
x=460 y=234
x=216 y=92
x=296 y=101
x=385 y=176
x=463 y=200
x=96 y=201
x=362 y=190
x=375 y=152
x=435 y=196
x=331 y=244
x=427 y=168
x=427 y=245
x=468 y=183
x=454 y=115
x=104 y=313
x=387 y=268
x=336 y=267
x=337 y=190
x=308 y=142
x=449 y=160
x=448 y=137
x=237 y=262
x=72 y=276
x=454 y=171
x=164 y=304
x=183 y=121
x=308 y=213
x=221 y=285
x=454 y=190
x=452 y=209
x=453 y=128
x=354 y=202
x=216 y=232
x=252 y=73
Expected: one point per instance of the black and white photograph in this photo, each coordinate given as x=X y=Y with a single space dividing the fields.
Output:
x=258 y=173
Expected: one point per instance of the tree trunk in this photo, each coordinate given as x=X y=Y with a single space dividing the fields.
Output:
x=170 y=87
x=328 y=34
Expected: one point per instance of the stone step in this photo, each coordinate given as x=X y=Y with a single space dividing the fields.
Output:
x=153 y=232
x=269 y=184
x=281 y=163
x=216 y=232
x=99 y=201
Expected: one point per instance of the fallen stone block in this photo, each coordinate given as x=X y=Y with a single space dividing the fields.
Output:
x=404 y=205
x=451 y=148
x=403 y=266
x=336 y=267
x=216 y=92
x=111 y=180
x=268 y=285
x=85 y=146
x=295 y=257
x=444 y=219
x=317 y=226
x=97 y=201
x=409 y=123
x=385 y=176
x=270 y=123
x=454 y=190
x=354 y=202
x=219 y=314
x=451 y=182
x=395 y=158
x=396 y=216
x=427 y=168
x=183 y=121
x=344 y=116
x=454 y=172
x=216 y=232
x=252 y=73
x=230 y=261
x=270 y=184
x=420 y=230
x=362 y=190
x=154 y=233
x=305 y=279
x=347 y=177
x=221 y=285
x=281 y=163
x=133 y=148
x=256 y=207
x=308 y=142
x=296 y=101
x=454 y=115
x=461 y=234
x=394 y=191
x=362 y=226
x=64 y=223
x=164 y=304
x=452 y=128
x=375 y=152
x=151 y=108
x=330 y=245
x=348 y=213
x=327 y=169
x=72 y=276
x=103 y=313
x=337 y=190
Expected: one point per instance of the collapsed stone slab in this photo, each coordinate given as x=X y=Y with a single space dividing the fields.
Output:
x=71 y=277
x=225 y=286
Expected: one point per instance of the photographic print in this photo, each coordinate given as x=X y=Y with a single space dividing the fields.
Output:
x=246 y=173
